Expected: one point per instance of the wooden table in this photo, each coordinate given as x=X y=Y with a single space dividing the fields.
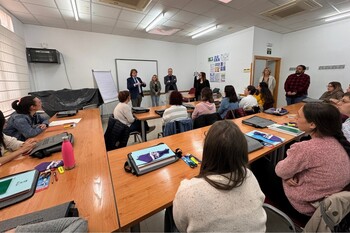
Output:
x=88 y=184
x=140 y=197
x=189 y=97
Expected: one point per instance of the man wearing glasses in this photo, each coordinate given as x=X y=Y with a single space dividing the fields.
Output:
x=344 y=108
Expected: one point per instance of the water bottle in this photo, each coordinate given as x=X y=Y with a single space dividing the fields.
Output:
x=67 y=154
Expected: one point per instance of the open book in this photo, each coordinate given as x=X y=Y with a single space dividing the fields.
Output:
x=286 y=129
x=151 y=158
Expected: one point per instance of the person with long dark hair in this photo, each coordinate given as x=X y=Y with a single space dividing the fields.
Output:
x=313 y=169
x=230 y=102
x=10 y=147
x=249 y=101
x=207 y=105
x=200 y=84
x=264 y=96
x=225 y=196
x=25 y=122
x=334 y=92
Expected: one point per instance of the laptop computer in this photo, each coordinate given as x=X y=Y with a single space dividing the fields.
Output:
x=253 y=144
x=258 y=122
x=66 y=113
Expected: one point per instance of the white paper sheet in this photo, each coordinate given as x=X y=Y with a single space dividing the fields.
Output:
x=62 y=122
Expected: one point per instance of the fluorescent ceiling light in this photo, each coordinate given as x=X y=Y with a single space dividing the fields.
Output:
x=225 y=1
x=205 y=31
x=155 y=21
x=336 y=17
x=75 y=9
x=200 y=30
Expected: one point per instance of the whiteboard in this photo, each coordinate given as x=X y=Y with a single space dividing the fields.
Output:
x=145 y=70
x=106 y=85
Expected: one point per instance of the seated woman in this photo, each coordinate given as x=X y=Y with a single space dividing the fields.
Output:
x=344 y=108
x=176 y=110
x=230 y=102
x=25 y=123
x=207 y=105
x=334 y=92
x=313 y=169
x=10 y=147
x=249 y=101
x=225 y=196
x=264 y=96
x=123 y=113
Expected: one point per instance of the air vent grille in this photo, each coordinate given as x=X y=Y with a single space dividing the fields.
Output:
x=139 y=5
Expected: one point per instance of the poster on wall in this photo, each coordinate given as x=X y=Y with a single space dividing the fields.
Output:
x=217 y=65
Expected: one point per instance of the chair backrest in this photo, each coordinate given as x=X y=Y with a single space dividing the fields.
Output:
x=277 y=221
x=177 y=126
x=206 y=119
x=116 y=135
x=192 y=91
x=239 y=112
x=230 y=115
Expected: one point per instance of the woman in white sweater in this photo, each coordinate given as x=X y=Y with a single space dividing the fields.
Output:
x=268 y=79
x=225 y=196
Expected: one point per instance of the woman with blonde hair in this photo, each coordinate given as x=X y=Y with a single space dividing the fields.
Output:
x=155 y=88
x=268 y=79
x=334 y=92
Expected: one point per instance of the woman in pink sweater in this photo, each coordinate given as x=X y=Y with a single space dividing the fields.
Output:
x=207 y=105
x=319 y=167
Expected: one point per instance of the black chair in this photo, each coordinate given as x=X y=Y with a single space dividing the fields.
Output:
x=277 y=221
x=116 y=135
x=205 y=120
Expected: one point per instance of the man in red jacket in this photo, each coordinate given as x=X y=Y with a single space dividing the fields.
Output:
x=296 y=85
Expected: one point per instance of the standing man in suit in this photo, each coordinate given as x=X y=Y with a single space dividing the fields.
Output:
x=135 y=85
x=170 y=83
x=296 y=85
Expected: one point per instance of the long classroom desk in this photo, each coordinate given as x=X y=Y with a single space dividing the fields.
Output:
x=88 y=184
x=140 y=197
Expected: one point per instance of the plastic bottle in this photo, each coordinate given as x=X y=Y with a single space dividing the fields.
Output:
x=67 y=154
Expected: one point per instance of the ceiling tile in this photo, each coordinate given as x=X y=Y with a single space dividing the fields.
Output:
x=126 y=24
x=43 y=11
x=13 y=6
x=83 y=7
x=105 y=11
x=51 y=22
x=201 y=21
x=131 y=16
x=103 y=21
x=184 y=16
x=122 y=31
x=78 y=25
x=179 y=4
x=174 y=24
x=221 y=11
x=25 y=18
x=47 y=3
x=200 y=6
x=102 y=29
x=64 y=5
x=239 y=4
x=159 y=8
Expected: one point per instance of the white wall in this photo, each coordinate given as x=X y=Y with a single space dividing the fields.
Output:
x=240 y=48
x=84 y=51
x=318 y=46
x=262 y=37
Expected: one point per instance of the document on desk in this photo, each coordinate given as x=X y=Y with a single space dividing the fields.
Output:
x=62 y=122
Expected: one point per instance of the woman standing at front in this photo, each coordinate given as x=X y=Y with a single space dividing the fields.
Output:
x=225 y=196
x=155 y=88
x=268 y=79
x=200 y=84
x=135 y=85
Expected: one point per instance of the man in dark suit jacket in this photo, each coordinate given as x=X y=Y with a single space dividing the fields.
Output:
x=170 y=84
x=135 y=85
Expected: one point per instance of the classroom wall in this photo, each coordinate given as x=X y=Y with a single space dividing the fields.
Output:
x=240 y=48
x=262 y=37
x=314 y=47
x=84 y=51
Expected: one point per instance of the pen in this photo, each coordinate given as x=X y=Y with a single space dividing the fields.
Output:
x=55 y=175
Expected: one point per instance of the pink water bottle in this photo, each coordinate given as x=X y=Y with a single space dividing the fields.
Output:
x=67 y=154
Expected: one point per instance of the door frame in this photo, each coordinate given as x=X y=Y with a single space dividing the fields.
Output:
x=277 y=73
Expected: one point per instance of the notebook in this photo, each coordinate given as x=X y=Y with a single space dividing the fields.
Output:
x=268 y=139
x=160 y=112
x=66 y=113
x=286 y=129
x=258 y=122
x=139 y=110
x=188 y=106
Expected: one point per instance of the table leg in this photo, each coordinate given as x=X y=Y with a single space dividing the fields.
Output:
x=143 y=131
x=135 y=228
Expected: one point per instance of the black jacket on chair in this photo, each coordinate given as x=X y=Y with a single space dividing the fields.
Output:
x=205 y=120
x=116 y=132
